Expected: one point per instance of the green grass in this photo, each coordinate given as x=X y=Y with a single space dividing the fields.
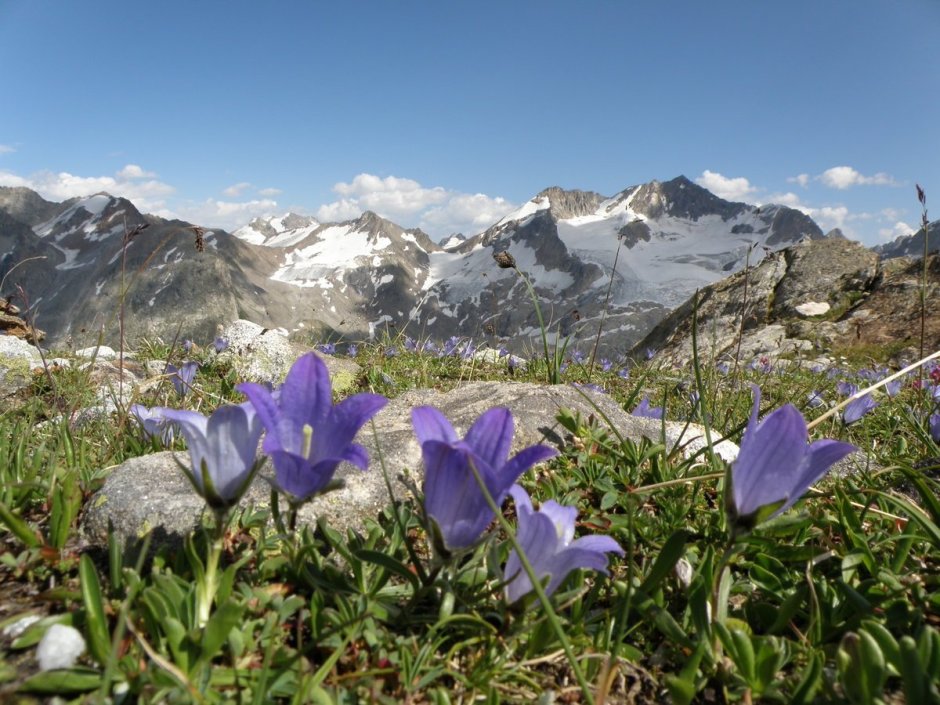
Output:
x=836 y=600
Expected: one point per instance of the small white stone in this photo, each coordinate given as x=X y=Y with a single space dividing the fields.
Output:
x=99 y=353
x=59 y=647
x=813 y=308
x=684 y=572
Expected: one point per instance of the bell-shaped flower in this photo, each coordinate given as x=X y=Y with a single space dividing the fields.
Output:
x=453 y=500
x=223 y=450
x=154 y=424
x=645 y=410
x=182 y=377
x=547 y=539
x=776 y=465
x=857 y=408
x=307 y=435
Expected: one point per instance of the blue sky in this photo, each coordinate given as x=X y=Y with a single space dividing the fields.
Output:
x=445 y=115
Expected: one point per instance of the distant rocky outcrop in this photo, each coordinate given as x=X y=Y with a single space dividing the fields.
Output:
x=912 y=245
x=804 y=301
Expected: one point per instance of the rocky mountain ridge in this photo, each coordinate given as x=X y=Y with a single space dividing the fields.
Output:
x=802 y=303
x=624 y=261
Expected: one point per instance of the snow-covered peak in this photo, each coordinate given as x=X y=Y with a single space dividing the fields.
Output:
x=539 y=203
x=87 y=215
x=278 y=231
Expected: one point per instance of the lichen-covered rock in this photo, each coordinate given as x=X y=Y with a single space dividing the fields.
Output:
x=766 y=309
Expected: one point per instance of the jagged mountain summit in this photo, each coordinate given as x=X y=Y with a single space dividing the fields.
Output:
x=623 y=261
x=912 y=245
x=626 y=260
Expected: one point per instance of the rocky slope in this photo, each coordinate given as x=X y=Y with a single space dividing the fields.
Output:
x=804 y=302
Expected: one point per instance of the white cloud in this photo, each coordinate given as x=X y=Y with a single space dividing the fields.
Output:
x=436 y=210
x=131 y=182
x=465 y=213
x=236 y=190
x=788 y=199
x=6 y=149
x=801 y=179
x=843 y=177
x=228 y=215
x=731 y=189
x=391 y=197
x=133 y=171
x=343 y=209
x=890 y=213
x=268 y=192
x=899 y=229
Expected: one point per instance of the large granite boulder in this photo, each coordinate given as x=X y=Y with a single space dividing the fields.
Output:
x=149 y=493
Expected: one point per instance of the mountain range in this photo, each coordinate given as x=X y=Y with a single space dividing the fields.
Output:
x=620 y=263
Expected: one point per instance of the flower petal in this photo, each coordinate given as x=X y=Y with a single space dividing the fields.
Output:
x=307 y=395
x=232 y=444
x=294 y=475
x=431 y=425
x=342 y=424
x=518 y=464
x=768 y=464
x=491 y=436
x=452 y=496
x=819 y=458
x=563 y=517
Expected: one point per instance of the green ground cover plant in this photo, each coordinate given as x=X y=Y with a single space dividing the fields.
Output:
x=613 y=571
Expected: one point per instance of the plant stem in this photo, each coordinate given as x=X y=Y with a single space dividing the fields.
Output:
x=552 y=374
x=536 y=586
x=205 y=593
x=600 y=326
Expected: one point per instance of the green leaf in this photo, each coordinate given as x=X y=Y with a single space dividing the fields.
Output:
x=383 y=560
x=19 y=528
x=886 y=642
x=115 y=559
x=912 y=671
x=810 y=682
x=225 y=618
x=34 y=631
x=99 y=635
x=62 y=681
x=666 y=561
x=66 y=501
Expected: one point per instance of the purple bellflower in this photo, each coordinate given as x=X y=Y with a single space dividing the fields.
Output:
x=182 y=377
x=455 y=505
x=893 y=388
x=846 y=389
x=857 y=408
x=307 y=436
x=223 y=450
x=220 y=344
x=154 y=423
x=547 y=539
x=934 y=424
x=776 y=465
x=644 y=409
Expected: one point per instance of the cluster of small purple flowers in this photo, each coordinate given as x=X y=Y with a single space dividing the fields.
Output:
x=307 y=437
